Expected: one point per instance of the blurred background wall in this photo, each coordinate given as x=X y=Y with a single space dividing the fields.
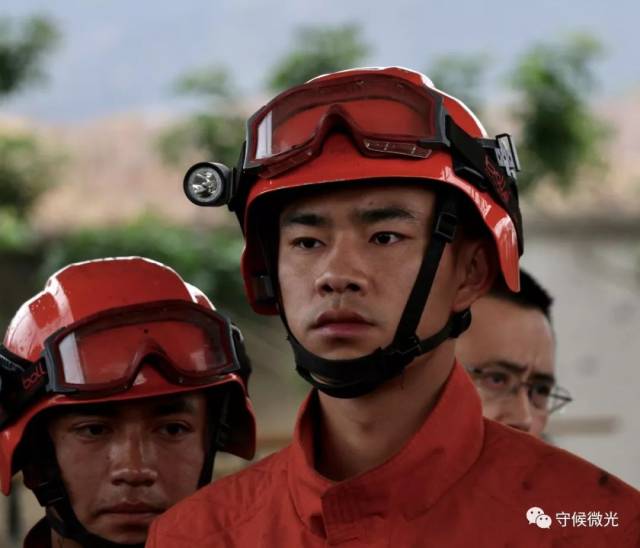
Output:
x=104 y=104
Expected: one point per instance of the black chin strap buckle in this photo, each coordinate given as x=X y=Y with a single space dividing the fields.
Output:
x=223 y=435
x=49 y=492
x=408 y=351
x=446 y=226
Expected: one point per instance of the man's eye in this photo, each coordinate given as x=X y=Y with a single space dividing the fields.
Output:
x=541 y=389
x=386 y=238
x=175 y=429
x=92 y=430
x=306 y=243
x=496 y=379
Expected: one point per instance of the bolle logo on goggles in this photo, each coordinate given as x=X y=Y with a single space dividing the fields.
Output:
x=29 y=380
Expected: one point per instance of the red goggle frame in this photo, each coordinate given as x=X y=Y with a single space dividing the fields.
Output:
x=102 y=354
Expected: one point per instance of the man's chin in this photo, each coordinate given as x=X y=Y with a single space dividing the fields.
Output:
x=122 y=529
x=339 y=354
x=339 y=348
x=127 y=537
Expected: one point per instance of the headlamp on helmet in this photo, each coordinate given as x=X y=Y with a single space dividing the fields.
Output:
x=372 y=124
x=209 y=184
x=385 y=115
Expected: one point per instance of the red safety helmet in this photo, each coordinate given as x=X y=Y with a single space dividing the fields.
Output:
x=91 y=331
x=374 y=124
x=338 y=157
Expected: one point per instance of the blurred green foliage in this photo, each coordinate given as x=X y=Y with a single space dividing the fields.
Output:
x=16 y=235
x=206 y=258
x=461 y=76
x=217 y=137
x=27 y=168
x=214 y=82
x=217 y=131
x=318 y=50
x=23 y=46
x=560 y=135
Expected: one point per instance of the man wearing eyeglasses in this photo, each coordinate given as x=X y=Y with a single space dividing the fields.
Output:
x=509 y=351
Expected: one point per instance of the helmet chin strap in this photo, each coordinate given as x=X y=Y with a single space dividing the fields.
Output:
x=360 y=376
x=63 y=521
x=51 y=493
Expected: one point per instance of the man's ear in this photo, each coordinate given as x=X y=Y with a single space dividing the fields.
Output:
x=476 y=268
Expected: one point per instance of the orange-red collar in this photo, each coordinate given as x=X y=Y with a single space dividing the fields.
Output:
x=408 y=484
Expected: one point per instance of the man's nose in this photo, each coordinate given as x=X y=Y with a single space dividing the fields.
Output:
x=343 y=270
x=517 y=411
x=132 y=461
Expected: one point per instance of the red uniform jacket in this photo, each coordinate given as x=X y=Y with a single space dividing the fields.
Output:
x=461 y=481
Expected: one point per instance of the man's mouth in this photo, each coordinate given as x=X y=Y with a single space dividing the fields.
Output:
x=133 y=507
x=341 y=323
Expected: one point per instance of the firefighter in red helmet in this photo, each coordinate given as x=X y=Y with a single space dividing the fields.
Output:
x=375 y=211
x=119 y=383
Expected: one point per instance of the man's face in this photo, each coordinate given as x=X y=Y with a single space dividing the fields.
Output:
x=508 y=343
x=124 y=463
x=347 y=261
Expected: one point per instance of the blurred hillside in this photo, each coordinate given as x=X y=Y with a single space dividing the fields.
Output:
x=113 y=174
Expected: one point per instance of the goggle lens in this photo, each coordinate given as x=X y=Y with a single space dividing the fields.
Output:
x=102 y=356
x=376 y=106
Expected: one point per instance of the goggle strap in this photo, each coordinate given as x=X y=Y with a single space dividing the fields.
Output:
x=238 y=190
x=12 y=362
x=469 y=157
x=21 y=383
x=487 y=173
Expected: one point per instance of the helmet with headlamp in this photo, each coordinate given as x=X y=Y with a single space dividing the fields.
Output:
x=374 y=124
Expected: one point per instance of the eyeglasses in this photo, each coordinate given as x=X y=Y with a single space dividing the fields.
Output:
x=499 y=382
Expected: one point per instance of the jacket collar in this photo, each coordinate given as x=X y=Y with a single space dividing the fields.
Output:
x=39 y=536
x=440 y=453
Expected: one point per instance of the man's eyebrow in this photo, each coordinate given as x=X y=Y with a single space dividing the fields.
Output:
x=174 y=406
x=91 y=409
x=517 y=368
x=110 y=410
x=303 y=218
x=546 y=377
x=387 y=213
x=511 y=366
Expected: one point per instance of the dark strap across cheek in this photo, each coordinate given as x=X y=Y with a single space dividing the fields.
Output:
x=359 y=376
x=444 y=231
x=363 y=375
x=219 y=431
x=44 y=478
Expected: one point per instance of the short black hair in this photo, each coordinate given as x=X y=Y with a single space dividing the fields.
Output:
x=531 y=294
